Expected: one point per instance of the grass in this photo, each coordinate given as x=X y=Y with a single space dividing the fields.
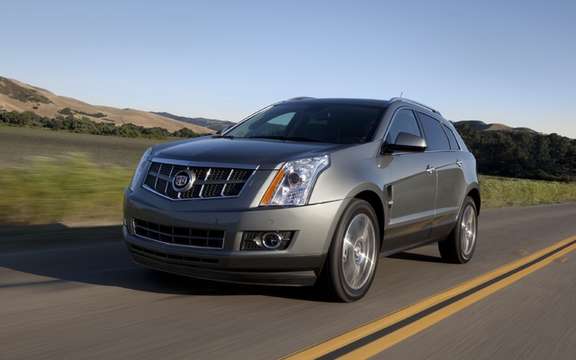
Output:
x=53 y=176
x=18 y=145
x=69 y=188
x=502 y=192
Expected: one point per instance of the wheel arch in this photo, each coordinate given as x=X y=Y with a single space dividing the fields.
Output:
x=474 y=193
x=373 y=195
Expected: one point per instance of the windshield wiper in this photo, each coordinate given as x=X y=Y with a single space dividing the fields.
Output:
x=223 y=136
x=287 y=138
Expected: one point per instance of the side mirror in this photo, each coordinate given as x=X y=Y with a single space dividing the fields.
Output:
x=405 y=142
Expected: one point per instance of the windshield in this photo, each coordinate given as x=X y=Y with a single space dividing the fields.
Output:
x=326 y=123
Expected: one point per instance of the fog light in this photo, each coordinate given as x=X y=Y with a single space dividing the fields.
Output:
x=266 y=240
x=271 y=240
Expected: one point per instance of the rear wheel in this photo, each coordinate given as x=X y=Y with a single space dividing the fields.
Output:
x=460 y=245
x=353 y=256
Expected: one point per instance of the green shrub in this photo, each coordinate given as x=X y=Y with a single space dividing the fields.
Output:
x=85 y=125
x=522 y=154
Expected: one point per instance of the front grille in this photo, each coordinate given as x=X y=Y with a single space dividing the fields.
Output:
x=210 y=182
x=179 y=235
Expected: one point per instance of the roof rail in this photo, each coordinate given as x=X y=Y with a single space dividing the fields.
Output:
x=415 y=103
x=300 y=98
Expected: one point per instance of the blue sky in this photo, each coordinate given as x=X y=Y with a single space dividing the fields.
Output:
x=498 y=61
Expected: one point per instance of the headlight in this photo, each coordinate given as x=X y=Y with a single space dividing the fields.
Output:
x=294 y=182
x=139 y=173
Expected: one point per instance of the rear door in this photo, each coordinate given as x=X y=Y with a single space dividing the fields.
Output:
x=443 y=156
x=410 y=188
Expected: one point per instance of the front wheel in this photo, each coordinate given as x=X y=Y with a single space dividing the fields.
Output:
x=353 y=256
x=460 y=245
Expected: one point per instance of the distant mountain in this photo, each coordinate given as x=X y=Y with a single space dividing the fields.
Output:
x=482 y=126
x=20 y=97
x=213 y=124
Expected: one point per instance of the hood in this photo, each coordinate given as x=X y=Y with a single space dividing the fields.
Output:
x=263 y=152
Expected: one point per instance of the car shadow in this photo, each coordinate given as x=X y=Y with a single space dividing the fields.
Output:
x=417 y=257
x=97 y=256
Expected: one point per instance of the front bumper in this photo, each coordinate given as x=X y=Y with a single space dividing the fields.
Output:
x=299 y=264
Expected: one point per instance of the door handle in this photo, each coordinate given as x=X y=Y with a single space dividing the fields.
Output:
x=459 y=163
x=430 y=169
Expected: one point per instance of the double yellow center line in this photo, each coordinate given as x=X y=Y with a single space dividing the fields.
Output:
x=379 y=335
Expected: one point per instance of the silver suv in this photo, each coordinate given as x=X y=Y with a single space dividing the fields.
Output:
x=306 y=191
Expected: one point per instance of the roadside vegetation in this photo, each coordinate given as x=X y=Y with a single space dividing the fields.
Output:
x=70 y=188
x=74 y=189
x=502 y=192
x=18 y=145
x=522 y=154
x=77 y=122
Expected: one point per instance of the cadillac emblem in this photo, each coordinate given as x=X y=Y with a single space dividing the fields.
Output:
x=183 y=180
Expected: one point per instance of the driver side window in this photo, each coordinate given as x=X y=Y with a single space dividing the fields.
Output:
x=404 y=121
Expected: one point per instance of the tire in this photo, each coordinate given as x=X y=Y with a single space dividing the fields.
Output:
x=358 y=222
x=459 y=246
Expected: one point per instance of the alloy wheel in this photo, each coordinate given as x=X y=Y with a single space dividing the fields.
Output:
x=468 y=231
x=359 y=251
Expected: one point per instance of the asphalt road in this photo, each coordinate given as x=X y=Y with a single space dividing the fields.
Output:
x=74 y=294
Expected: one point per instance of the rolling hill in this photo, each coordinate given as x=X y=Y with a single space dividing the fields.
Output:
x=213 y=124
x=482 y=126
x=20 y=97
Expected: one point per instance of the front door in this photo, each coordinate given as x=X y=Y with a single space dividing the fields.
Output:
x=410 y=190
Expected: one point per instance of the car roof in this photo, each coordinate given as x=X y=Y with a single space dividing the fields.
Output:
x=364 y=102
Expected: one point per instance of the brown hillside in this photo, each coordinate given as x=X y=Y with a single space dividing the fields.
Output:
x=498 y=127
x=18 y=96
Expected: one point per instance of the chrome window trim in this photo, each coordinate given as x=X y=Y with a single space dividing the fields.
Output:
x=416 y=103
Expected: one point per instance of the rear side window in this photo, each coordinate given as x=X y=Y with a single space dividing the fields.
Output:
x=436 y=138
x=451 y=138
x=404 y=121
